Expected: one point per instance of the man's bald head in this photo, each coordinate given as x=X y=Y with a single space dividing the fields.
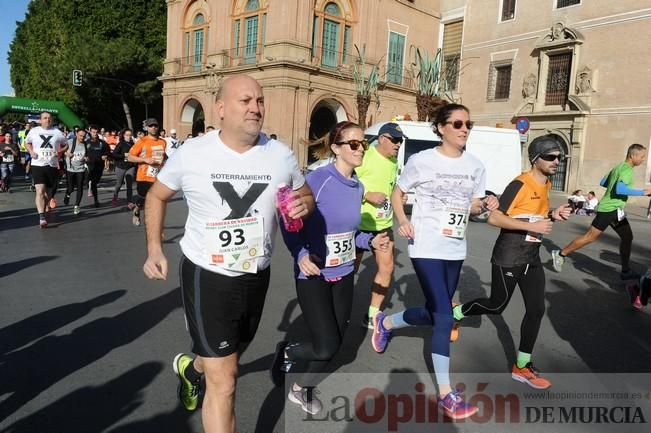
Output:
x=240 y=106
x=234 y=82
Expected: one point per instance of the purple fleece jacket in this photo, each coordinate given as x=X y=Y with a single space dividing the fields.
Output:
x=338 y=210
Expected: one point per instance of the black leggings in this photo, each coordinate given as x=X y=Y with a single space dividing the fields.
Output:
x=326 y=308
x=95 y=172
x=76 y=181
x=623 y=229
x=531 y=279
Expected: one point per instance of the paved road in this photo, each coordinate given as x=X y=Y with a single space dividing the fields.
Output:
x=86 y=341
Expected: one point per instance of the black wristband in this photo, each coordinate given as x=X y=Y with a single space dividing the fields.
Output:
x=550 y=215
x=370 y=243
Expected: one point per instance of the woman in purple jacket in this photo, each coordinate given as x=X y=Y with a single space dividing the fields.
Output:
x=324 y=255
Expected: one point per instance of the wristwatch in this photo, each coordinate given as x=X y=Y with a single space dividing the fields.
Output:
x=550 y=215
x=370 y=243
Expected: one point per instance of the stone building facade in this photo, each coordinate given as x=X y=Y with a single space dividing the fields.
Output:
x=578 y=69
x=301 y=51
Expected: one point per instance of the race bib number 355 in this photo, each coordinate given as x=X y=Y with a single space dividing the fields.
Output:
x=341 y=248
x=235 y=244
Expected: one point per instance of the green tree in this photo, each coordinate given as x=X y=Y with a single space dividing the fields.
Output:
x=118 y=44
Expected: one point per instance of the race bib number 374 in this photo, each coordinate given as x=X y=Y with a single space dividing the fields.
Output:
x=454 y=222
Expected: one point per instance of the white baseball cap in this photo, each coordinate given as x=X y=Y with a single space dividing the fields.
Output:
x=172 y=131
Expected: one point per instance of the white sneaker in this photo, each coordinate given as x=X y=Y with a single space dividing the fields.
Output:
x=306 y=399
x=557 y=260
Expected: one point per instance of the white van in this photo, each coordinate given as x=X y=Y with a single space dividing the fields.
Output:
x=498 y=148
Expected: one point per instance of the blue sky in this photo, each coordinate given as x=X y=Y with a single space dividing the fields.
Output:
x=12 y=11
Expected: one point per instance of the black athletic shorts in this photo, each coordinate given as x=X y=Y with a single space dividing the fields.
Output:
x=142 y=188
x=220 y=311
x=46 y=175
x=388 y=231
x=602 y=220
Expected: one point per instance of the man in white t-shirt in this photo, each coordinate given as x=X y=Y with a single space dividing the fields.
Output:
x=172 y=143
x=229 y=178
x=44 y=144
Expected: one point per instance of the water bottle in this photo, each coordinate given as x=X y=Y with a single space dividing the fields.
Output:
x=284 y=197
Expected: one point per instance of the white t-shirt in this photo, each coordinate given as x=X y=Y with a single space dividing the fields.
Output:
x=172 y=145
x=591 y=204
x=443 y=185
x=221 y=184
x=46 y=143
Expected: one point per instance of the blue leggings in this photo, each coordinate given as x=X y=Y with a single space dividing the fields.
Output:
x=438 y=280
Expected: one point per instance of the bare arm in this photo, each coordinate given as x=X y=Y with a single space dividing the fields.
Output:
x=398 y=203
x=156 y=264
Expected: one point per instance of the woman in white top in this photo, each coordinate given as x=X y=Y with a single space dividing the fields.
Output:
x=449 y=185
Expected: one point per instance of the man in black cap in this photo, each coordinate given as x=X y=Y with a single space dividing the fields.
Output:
x=524 y=217
x=378 y=175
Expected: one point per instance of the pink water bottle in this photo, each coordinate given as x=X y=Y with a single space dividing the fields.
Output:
x=284 y=198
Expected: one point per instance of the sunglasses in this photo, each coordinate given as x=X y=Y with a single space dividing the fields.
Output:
x=153 y=125
x=394 y=140
x=550 y=158
x=354 y=144
x=458 y=124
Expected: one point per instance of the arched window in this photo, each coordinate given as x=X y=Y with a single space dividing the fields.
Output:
x=195 y=43
x=249 y=28
x=331 y=35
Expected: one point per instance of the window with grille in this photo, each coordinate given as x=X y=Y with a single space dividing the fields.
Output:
x=566 y=3
x=499 y=81
x=508 y=10
x=558 y=78
x=451 y=72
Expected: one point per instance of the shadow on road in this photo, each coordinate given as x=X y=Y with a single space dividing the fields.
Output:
x=600 y=324
x=30 y=371
x=96 y=408
x=17 y=266
x=32 y=328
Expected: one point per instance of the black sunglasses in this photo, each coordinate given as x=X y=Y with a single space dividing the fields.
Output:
x=354 y=144
x=550 y=158
x=457 y=124
x=394 y=140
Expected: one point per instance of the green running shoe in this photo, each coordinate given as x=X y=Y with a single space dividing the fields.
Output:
x=187 y=391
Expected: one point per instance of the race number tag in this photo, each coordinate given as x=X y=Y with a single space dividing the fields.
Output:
x=46 y=154
x=621 y=214
x=531 y=236
x=235 y=244
x=385 y=210
x=9 y=157
x=454 y=222
x=152 y=171
x=340 y=248
x=157 y=153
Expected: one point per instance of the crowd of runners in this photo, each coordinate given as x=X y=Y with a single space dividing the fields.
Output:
x=53 y=158
x=229 y=178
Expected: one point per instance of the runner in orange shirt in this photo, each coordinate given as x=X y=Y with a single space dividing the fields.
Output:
x=149 y=154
